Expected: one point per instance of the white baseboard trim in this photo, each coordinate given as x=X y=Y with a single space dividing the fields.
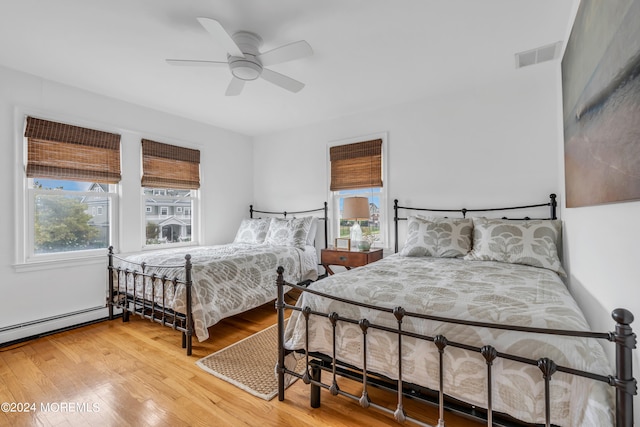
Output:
x=43 y=326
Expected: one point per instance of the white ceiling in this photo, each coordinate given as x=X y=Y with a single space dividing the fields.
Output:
x=367 y=53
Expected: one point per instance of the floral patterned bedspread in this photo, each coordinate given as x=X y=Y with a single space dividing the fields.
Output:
x=227 y=279
x=484 y=291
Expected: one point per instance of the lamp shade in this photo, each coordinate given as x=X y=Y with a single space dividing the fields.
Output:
x=356 y=208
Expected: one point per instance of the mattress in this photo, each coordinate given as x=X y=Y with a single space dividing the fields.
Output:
x=227 y=279
x=484 y=291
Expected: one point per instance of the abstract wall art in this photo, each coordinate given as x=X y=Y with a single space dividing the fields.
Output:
x=601 y=104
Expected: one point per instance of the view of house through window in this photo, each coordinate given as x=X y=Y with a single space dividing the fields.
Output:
x=70 y=215
x=170 y=183
x=167 y=215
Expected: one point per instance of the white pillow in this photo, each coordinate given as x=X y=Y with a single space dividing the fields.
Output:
x=311 y=237
x=252 y=230
x=529 y=242
x=437 y=237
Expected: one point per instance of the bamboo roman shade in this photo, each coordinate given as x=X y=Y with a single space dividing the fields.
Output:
x=356 y=165
x=169 y=166
x=61 y=151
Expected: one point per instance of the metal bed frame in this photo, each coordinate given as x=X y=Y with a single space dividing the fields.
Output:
x=622 y=337
x=140 y=305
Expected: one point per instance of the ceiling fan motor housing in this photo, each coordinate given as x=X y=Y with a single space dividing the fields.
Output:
x=249 y=67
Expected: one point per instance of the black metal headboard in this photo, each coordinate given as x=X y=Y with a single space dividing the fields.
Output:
x=552 y=203
x=324 y=218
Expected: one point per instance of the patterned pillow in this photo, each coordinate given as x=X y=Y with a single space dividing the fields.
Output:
x=437 y=237
x=289 y=232
x=252 y=231
x=529 y=242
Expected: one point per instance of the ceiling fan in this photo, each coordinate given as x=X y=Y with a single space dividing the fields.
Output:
x=245 y=60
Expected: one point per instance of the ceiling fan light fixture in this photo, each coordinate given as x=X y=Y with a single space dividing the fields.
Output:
x=246 y=62
x=244 y=69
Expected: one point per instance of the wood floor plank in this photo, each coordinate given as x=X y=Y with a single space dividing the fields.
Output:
x=136 y=373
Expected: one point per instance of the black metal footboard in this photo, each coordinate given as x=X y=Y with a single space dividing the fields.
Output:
x=142 y=301
x=622 y=337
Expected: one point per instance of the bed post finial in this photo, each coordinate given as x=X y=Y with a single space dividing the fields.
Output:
x=250 y=211
x=625 y=384
x=553 y=204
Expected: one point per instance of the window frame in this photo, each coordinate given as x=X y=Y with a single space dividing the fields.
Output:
x=155 y=156
x=194 y=208
x=25 y=258
x=362 y=192
x=334 y=196
x=32 y=256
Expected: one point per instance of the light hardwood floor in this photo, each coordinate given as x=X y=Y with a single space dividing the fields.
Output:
x=136 y=374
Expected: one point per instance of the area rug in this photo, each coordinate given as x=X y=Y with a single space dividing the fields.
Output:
x=250 y=364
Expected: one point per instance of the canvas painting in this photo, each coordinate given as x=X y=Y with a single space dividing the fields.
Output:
x=601 y=104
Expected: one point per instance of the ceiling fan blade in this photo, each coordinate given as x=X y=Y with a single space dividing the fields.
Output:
x=281 y=80
x=214 y=28
x=288 y=52
x=235 y=87
x=195 y=62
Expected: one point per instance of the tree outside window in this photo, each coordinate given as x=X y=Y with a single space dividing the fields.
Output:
x=62 y=217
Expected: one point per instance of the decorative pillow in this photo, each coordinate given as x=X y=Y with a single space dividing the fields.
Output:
x=311 y=237
x=437 y=237
x=529 y=242
x=252 y=230
x=289 y=232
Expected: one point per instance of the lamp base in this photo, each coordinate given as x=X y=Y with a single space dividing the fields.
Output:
x=355 y=235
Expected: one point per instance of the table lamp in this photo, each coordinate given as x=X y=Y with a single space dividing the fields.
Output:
x=356 y=208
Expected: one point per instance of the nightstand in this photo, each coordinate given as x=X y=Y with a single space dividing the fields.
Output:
x=348 y=259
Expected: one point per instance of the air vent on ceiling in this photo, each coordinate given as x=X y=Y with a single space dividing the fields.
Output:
x=540 y=54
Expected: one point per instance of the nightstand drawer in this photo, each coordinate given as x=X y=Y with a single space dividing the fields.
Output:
x=348 y=259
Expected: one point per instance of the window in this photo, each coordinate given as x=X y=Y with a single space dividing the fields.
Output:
x=371 y=226
x=71 y=174
x=170 y=181
x=356 y=170
x=61 y=219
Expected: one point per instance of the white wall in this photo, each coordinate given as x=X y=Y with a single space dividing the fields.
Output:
x=31 y=295
x=495 y=145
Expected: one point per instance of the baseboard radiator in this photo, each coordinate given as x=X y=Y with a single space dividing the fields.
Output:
x=41 y=327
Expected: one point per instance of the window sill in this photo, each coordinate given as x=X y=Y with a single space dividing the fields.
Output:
x=168 y=246
x=60 y=263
